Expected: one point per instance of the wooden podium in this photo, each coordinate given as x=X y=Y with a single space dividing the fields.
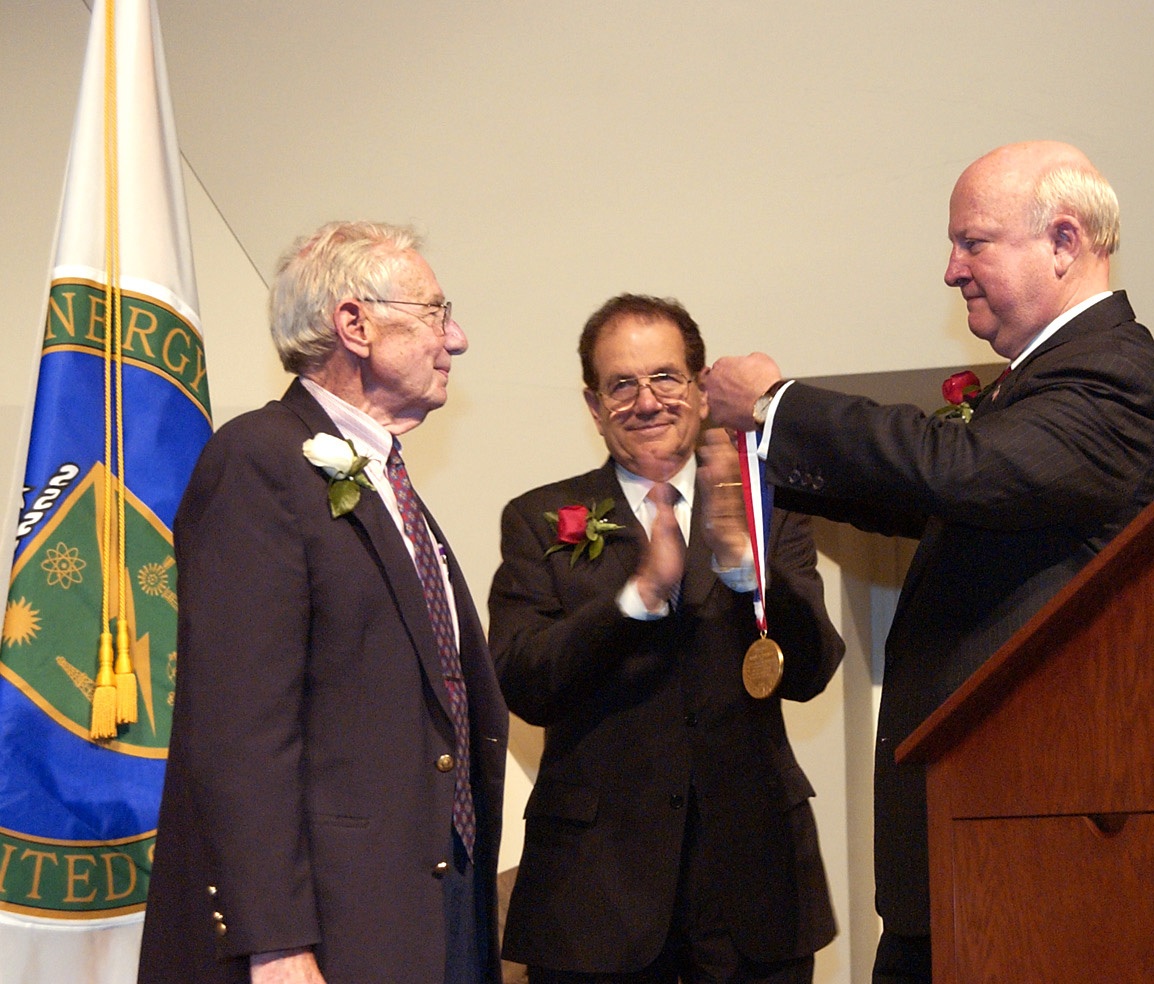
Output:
x=1040 y=784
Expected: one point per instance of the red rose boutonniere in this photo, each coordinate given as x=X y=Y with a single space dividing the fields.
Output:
x=582 y=529
x=958 y=390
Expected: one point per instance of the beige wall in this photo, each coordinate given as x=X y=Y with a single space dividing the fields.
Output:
x=781 y=168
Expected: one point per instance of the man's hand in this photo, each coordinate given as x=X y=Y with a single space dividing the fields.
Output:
x=285 y=967
x=663 y=560
x=722 y=501
x=733 y=385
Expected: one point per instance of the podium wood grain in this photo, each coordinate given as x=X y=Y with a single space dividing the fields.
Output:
x=1040 y=785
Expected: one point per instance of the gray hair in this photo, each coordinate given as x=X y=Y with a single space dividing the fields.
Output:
x=1083 y=192
x=340 y=259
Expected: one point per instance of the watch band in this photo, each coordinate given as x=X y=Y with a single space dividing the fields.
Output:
x=761 y=404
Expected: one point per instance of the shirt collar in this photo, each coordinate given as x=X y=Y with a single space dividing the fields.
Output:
x=1064 y=318
x=636 y=488
x=370 y=437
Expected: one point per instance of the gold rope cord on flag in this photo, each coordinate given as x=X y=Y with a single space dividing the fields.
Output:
x=114 y=697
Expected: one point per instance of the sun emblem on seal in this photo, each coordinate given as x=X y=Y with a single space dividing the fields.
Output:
x=21 y=623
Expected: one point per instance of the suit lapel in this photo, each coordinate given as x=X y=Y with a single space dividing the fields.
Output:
x=622 y=547
x=383 y=539
x=380 y=536
x=699 y=576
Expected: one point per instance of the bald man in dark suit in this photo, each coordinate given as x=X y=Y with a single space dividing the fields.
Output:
x=1057 y=458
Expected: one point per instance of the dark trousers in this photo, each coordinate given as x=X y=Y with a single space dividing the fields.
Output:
x=903 y=960
x=466 y=921
x=664 y=971
x=699 y=949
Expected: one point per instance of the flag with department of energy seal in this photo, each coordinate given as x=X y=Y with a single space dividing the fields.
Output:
x=120 y=416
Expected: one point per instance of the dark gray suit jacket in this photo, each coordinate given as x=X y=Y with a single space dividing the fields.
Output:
x=634 y=714
x=310 y=714
x=1009 y=507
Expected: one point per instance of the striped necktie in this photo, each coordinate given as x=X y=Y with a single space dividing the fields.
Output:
x=429 y=571
x=665 y=496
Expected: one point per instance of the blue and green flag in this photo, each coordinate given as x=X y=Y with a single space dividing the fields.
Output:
x=88 y=655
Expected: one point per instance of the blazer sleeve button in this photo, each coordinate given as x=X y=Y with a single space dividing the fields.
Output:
x=445 y=763
x=676 y=801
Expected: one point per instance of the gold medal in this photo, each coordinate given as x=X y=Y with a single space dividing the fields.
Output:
x=762 y=669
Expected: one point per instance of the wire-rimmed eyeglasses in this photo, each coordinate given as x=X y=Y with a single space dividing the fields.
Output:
x=437 y=315
x=667 y=387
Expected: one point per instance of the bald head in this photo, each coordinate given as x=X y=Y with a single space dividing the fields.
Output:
x=1047 y=176
x=1032 y=158
x=1032 y=227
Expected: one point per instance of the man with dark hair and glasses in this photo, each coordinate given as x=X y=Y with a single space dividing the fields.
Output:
x=332 y=807
x=669 y=834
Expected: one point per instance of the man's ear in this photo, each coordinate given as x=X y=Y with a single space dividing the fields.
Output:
x=1067 y=240
x=352 y=328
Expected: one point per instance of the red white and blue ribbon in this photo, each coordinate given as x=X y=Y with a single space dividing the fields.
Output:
x=758 y=513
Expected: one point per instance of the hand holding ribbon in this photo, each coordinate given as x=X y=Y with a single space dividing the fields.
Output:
x=733 y=385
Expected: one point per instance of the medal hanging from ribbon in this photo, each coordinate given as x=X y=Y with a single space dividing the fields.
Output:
x=764 y=661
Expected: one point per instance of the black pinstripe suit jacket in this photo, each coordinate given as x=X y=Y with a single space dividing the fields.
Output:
x=1009 y=507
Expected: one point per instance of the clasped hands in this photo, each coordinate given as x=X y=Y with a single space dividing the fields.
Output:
x=722 y=508
x=732 y=386
x=722 y=501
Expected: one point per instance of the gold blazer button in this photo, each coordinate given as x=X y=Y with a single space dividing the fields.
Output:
x=445 y=763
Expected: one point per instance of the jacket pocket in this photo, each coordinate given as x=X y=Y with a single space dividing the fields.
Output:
x=562 y=801
x=335 y=820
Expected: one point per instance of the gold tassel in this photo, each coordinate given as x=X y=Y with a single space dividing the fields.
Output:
x=125 y=677
x=104 y=696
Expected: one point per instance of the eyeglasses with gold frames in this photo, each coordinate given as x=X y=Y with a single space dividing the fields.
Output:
x=667 y=387
x=437 y=315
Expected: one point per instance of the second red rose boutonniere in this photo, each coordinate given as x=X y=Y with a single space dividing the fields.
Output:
x=338 y=458
x=581 y=528
x=958 y=390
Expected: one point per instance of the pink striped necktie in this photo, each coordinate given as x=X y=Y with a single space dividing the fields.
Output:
x=664 y=495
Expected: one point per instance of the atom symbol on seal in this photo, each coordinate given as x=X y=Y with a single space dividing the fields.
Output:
x=63 y=565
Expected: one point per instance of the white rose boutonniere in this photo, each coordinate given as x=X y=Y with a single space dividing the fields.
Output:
x=338 y=458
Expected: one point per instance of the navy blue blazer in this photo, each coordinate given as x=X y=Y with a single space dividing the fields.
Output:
x=303 y=806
